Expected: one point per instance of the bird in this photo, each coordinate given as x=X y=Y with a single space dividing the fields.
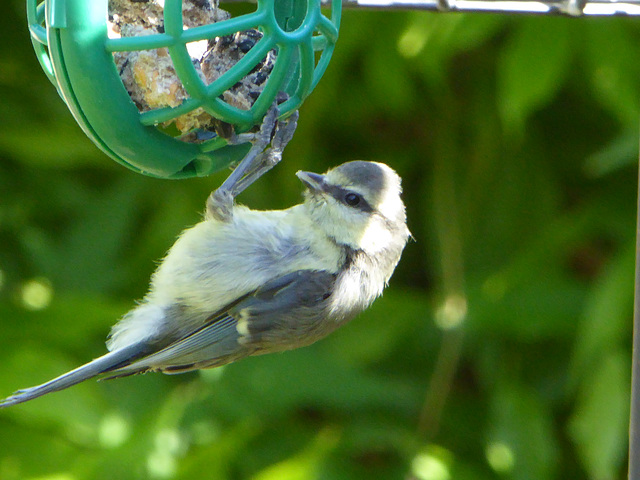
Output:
x=245 y=282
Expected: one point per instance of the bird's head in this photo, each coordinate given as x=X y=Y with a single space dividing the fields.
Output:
x=358 y=204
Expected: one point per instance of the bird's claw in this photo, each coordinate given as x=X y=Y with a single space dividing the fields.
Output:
x=220 y=205
x=260 y=159
x=284 y=130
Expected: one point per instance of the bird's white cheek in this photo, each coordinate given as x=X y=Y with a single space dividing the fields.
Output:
x=375 y=237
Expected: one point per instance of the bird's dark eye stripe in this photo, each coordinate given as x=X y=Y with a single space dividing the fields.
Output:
x=341 y=194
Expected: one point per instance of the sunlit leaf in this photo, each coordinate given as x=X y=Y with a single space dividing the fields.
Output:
x=522 y=426
x=620 y=153
x=74 y=413
x=599 y=423
x=377 y=332
x=304 y=465
x=610 y=53
x=532 y=68
x=43 y=148
x=607 y=316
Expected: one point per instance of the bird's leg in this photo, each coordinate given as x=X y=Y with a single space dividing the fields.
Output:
x=258 y=161
x=220 y=202
x=271 y=156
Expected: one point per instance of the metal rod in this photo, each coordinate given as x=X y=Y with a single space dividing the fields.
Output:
x=573 y=8
x=634 y=423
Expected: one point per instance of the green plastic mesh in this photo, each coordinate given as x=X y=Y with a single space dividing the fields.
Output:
x=71 y=41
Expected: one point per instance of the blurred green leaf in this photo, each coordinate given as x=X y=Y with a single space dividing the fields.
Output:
x=607 y=317
x=394 y=90
x=214 y=459
x=620 y=153
x=610 y=51
x=318 y=380
x=515 y=310
x=598 y=425
x=74 y=413
x=435 y=40
x=303 y=466
x=42 y=148
x=522 y=427
x=531 y=69
x=92 y=243
x=23 y=455
x=71 y=320
x=378 y=332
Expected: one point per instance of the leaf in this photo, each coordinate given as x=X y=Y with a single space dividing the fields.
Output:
x=42 y=148
x=377 y=332
x=598 y=425
x=305 y=378
x=22 y=456
x=84 y=317
x=607 y=317
x=522 y=426
x=92 y=243
x=304 y=465
x=621 y=152
x=435 y=40
x=515 y=309
x=216 y=457
x=388 y=77
x=531 y=69
x=614 y=68
x=74 y=411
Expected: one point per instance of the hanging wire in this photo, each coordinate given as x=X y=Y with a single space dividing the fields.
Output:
x=573 y=8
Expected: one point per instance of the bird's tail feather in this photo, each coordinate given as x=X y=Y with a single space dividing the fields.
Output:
x=100 y=365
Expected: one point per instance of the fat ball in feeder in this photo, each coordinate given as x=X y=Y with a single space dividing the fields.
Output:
x=169 y=87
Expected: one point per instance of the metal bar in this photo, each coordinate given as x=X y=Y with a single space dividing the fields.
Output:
x=634 y=423
x=572 y=8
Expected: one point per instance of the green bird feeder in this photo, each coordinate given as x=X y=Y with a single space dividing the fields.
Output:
x=283 y=45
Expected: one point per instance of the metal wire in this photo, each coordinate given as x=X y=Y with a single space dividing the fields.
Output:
x=573 y=8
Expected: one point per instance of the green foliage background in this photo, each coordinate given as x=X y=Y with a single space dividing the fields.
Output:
x=501 y=350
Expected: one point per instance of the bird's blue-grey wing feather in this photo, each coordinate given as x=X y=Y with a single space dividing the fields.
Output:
x=284 y=313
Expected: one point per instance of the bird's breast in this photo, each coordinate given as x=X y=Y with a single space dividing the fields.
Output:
x=214 y=263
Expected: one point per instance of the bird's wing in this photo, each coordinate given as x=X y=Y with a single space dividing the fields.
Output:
x=269 y=319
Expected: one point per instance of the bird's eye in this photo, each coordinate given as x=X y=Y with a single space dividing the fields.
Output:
x=352 y=199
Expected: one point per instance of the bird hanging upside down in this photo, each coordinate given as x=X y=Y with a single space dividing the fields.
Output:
x=247 y=282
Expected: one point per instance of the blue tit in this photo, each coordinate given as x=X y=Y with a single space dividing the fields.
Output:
x=247 y=282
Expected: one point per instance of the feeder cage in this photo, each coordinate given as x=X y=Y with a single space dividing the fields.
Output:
x=157 y=83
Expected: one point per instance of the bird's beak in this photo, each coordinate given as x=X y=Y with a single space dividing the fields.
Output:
x=313 y=181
